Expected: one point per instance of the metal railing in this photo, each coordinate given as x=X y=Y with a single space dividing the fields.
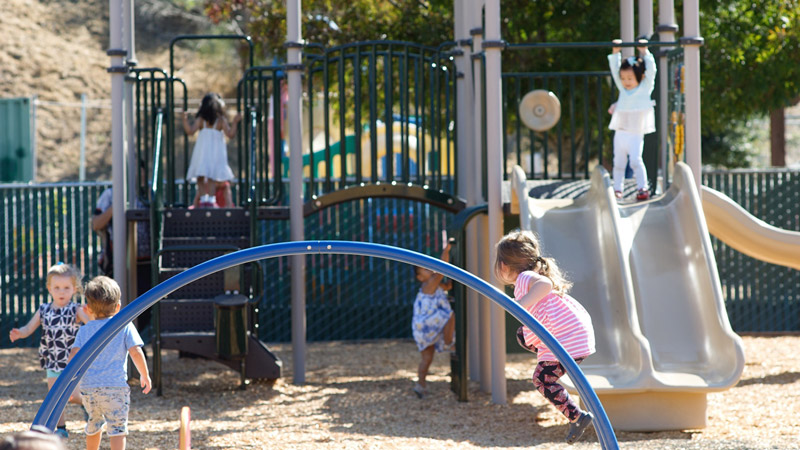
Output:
x=581 y=139
x=381 y=111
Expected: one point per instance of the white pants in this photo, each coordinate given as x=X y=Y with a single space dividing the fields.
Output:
x=629 y=146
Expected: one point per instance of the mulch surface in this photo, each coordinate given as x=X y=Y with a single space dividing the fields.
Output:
x=358 y=396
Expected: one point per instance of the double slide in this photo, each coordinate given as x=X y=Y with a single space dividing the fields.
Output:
x=647 y=275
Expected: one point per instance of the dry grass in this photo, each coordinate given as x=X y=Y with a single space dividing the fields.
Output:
x=358 y=396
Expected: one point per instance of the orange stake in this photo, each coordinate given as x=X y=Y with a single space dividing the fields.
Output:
x=186 y=432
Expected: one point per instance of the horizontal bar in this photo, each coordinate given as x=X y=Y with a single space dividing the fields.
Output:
x=591 y=44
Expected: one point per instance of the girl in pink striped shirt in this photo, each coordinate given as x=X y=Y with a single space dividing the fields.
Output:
x=540 y=288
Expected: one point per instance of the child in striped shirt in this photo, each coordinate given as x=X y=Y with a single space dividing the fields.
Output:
x=540 y=288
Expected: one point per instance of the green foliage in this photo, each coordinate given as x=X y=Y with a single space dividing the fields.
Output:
x=749 y=61
x=729 y=148
x=336 y=22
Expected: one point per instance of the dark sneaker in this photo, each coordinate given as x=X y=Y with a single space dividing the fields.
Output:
x=521 y=341
x=643 y=194
x=577 y=428
x=62 y=432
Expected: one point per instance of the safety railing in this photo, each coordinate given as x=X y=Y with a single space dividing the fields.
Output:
x=154 y=90
x=580 y=140
x=262 y=95
x=381 y=111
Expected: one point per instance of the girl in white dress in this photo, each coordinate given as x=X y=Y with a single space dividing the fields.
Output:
x=209 y=163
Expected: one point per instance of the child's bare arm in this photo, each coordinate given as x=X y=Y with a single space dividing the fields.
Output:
x=230 y=129
x=27 y=330
x=137 y=356
x=540 y=287
x=187 y=128
x=72 y=352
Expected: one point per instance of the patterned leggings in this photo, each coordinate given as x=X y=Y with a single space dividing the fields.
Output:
x=545 y=378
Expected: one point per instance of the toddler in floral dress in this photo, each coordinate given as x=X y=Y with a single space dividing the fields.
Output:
x=433 y=323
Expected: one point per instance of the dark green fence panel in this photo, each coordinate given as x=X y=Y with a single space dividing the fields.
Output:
x=42 y=224
x=352 y=297
x=16 y=140
x=381 y=111
x=760 y=297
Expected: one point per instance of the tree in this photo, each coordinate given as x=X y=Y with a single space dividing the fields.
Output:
x=749 y=60
x=336 y=22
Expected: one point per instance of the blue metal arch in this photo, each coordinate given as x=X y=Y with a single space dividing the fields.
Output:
x=56 y=399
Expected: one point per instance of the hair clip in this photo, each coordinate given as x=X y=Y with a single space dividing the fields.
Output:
x=59 y=263
x=632 y=60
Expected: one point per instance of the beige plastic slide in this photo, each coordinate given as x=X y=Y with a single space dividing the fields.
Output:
x=734 y=226
x=647 y=275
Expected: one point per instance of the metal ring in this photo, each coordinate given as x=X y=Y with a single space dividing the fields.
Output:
x=501 y=44
x=692 y=41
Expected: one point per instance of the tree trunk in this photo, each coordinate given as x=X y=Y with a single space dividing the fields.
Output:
x=777 y=137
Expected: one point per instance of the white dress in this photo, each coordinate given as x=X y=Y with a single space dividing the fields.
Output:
x=210 y=157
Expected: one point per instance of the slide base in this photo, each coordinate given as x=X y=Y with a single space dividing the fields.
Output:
x=656 y=411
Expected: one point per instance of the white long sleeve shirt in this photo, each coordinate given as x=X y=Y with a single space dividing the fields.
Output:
x=634 y=111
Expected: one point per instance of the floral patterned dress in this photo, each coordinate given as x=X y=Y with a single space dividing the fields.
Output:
x=59 y=327
x=431 y=312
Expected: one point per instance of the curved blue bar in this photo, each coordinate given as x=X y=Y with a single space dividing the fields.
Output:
x=57 y=397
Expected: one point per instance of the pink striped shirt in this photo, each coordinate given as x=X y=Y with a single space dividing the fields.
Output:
x=562 y=316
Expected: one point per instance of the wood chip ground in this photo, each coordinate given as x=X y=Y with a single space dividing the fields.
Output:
x=358 y=396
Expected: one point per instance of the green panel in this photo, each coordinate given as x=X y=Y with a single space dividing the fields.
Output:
x=16 y=151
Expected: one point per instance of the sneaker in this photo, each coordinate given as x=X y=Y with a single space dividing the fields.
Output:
x=62 y=432
x=643 y=194
x=577 y=428
x=521 y=342
x=618 y=194
x=419 y=390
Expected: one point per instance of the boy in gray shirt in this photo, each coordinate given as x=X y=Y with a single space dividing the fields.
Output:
x=105 y=384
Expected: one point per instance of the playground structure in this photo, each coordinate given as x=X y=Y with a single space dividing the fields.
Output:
x=662 y=330
x=431 y=168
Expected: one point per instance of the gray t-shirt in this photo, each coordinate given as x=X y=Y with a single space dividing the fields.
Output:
x=110 y=369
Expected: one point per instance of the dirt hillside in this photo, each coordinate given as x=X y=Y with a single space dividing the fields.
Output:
x=56 y=50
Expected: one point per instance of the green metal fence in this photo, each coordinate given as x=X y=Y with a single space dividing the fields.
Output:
x=41 y=225
x=381 y=111
x=760 y=296
x=362 y=298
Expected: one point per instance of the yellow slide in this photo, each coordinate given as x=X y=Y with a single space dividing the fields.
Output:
x=734 y=226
